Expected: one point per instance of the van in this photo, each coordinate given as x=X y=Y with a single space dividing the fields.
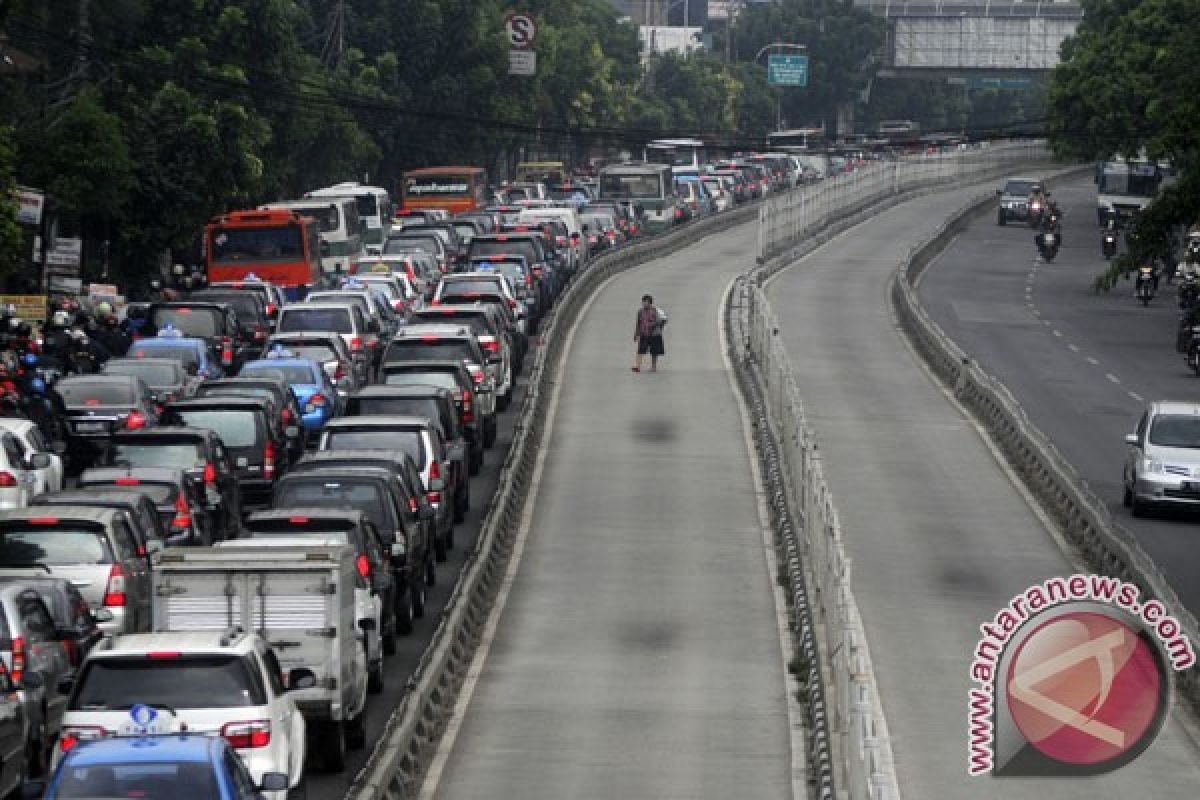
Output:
x=343 y=318
x=568 y=217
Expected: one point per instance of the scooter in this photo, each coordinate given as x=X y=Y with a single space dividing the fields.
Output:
x=1047 y=244
x=1143 y=287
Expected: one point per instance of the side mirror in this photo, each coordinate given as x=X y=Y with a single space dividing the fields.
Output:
x=301 y=678
x=291 y=431
x=39 y=461
x=274 y=782
x=1131 y=438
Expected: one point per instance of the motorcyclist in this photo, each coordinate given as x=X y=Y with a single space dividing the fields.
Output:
x=1037 y=203
x=108 y=331
x=57 y=344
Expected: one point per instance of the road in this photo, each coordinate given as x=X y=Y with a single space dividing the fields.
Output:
x=638 y=654
x=939 y=535
x=1082 y=364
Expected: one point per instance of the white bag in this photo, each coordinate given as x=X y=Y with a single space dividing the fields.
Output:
x=662 y=318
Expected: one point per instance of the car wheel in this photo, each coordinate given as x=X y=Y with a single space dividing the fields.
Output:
x=489 y=432
x=1137 y=507
x=418 y=594
x=388 y=639
x=503 y=400
x=299 y=791
x=404 y=615
x=1127 y=498
x=439 y=548
x=331 y=744
x=462 y=502
x=1000 y=218
x=430 y=572
x=356 y=730
x=475 y=461
x=375 y=680
x=18 y=791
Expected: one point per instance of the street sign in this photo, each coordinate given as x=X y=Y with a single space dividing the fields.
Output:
x=521 y=29
x=30 y=203
x=784 y=70
x=30 y=307
x=522 y=62
x=66 y=253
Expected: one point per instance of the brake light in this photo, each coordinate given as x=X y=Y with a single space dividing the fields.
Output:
x=529 y=281
x=678 y=213
x=364 y=566
x=270 y=309
x=512 y=303
x=356 y=345
x=183 y=514
x=430 y=339
x=210 y=473
x=286 y=415
x=435 y=474
x=435 y=302
x=18 y=659
x=298 y=520
x=72 y=735
x=91 y=402
x=560 y=240
x=490 y=344
x=160 y=654
x=269 y=461
x=398 y=305
x=128 y=482
x=468 y=409
x=260 y=333
x=114 y=592
x=8 y=480
x=135 y=421
x=226 y=351
x=43 y=520
x=314 y=402
x=247 y=735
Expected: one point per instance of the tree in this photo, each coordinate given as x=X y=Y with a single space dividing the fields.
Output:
x=10 y=230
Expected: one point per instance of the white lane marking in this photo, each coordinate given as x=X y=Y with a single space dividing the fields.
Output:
x=796 y=726
x=1112 y=378
x=445 y=748
x=1137 y=397
x=1093 y=361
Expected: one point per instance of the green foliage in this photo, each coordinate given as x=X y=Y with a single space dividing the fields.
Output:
x=10 y=231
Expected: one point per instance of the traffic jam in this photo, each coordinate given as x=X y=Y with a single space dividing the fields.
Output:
x=222 y=509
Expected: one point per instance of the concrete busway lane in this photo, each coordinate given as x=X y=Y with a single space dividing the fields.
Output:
x=638 y=652
x=1083 y=365
x=939 y=536
x=400 y=666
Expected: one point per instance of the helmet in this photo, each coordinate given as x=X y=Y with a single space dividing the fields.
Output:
x=30 y=359
x=60 y=318
x=103 y=309
x=37 y=386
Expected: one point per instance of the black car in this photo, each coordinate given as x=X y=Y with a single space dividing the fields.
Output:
x=451 y=375
x=166 y=378
x=261 y=385
x=253 y=321
x=427 y=401
x=381 y=495
x=201 y=454
x=98 y=406
x=405 y=469
x=215 y=323
x=178 y=497
x=251 y=430
x=143 y=513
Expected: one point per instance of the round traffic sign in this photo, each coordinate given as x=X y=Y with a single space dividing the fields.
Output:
x=522 y=30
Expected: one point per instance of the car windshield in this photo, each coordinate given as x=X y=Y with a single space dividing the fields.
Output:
x=641 y=187
x=426 y=244
x=25 y=547
x=198 y=322
x=373 y=438
x=1019 y=188
x=418 y=406
x=237 y=245
x=417 y=350
x=246 y=306
x=236 y=428
x=316 y=319
x=1175 y=430
x=160 y=494
x=494 y=247
x=176 y=682
x=292 y=373
x=443 y=380
x=180 y=455
x=93 y=393
x=155 y=375
x=187 y=356
x=335 y=493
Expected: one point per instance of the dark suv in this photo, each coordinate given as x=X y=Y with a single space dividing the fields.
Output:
x=97 y=406
x=254 y=324
x=199 y=452
x=426 y=401
x=278 y=389
x=251 y=431
x=454 y=376
x=179 y=498
x=215 y=323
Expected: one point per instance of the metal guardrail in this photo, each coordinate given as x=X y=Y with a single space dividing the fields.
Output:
x=842 y=698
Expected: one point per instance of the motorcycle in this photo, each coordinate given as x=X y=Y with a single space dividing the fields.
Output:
x=1189 y=289
x=1144 y=288
x=1109 y=244
x=1047 y=245
x=1036 y=209
x=1193 y=350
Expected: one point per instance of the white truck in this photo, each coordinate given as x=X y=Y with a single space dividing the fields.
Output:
x=300 y=599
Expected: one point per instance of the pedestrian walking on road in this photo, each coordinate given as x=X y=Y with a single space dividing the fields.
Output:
x=648 y=333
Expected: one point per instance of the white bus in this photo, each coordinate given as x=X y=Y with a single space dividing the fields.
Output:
x=1124 y=188
x=339 y=226
x=689 y=153
x=796 y=139
x=374 y=208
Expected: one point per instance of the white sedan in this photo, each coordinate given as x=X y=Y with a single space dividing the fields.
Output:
x=30 y=457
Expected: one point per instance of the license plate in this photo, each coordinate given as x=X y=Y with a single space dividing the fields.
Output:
x=91 y=427
x=158 y=725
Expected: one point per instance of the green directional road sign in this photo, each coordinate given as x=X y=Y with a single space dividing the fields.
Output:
x=787 y=70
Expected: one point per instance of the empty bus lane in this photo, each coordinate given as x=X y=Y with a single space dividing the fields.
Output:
x=939 y=534
x=637 y=653
x=1082 y=364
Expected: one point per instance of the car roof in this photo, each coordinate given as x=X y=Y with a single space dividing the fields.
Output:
x=433 y=329
x=164 y=432
x=240 y=402
x=127 y=496
x=384 y=390
x=379 y=421
x=172 y=475
x=249 y=381
x=95 y=514
x=101 y=380
x=350 y=515
x=319 y=456
x=1175 y=407
x=155 y=362
x=124 y=644
x=191 y=747
x=175 y=341
x=330 y=470
x=324 y=305
x=16 y=424
x=268 y=363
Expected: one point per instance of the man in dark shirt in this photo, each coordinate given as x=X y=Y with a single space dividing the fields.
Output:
x=647 y=332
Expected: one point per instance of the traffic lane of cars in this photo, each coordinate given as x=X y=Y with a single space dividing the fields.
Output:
x=976 y=292
x=410 y=648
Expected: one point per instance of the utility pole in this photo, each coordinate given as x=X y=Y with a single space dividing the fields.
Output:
x=335 y=36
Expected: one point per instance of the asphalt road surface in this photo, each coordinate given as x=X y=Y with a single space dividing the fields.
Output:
x=939 y=536
x=1083 y=365
x=638 y=654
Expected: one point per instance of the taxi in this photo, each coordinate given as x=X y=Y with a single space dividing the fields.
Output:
x=316 y=394
x=192 y=353
x=158 y=767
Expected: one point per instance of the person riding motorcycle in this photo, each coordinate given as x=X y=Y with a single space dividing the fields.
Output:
x=1037 y=205
x=108 y=331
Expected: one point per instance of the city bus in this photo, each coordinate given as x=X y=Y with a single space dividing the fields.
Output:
x=339 y=225
x=455 y=189
x=1126 y=187
x=796 y=139
x=649 y=188
x=547 y=172
x=689 y=153
x=374 y=209
x=280 y=246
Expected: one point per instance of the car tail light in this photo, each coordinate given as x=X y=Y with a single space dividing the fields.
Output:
x=314 y=402
x=270 y=309
x=260 y=333
x=512 y=303
x=8 y=480
x=435 y=474
x=183 y=514
x=43 y=520
x=364 y=566
x=135 y=421
x=489 y=343
x=114 y=592
x=412 y=505
x=161 y=655
x=477 y=375
x=468 y=409
x=356 y=345
x=286 y=415
x=560 y=240
x=226 y=351
x=298 y=520
x=529 y=281
x=678 y=213
x=247 y=735
x=210 y=473
x=339 y=372
x=128 y=481
x=435 y=302
x=398 y=305
x=72 y=735
x=18 y=659
x=269 y=461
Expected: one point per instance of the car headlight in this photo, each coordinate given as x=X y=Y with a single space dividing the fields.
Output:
x=1152 y=465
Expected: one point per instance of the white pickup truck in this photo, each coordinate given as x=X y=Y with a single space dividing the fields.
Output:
x=301 y=600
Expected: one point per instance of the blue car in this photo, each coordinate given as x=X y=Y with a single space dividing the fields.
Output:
x=315 y=393
x=171 y=343
x=157 y=767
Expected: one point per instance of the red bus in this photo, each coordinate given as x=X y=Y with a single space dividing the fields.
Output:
x=452 y=188
x=278 y=246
